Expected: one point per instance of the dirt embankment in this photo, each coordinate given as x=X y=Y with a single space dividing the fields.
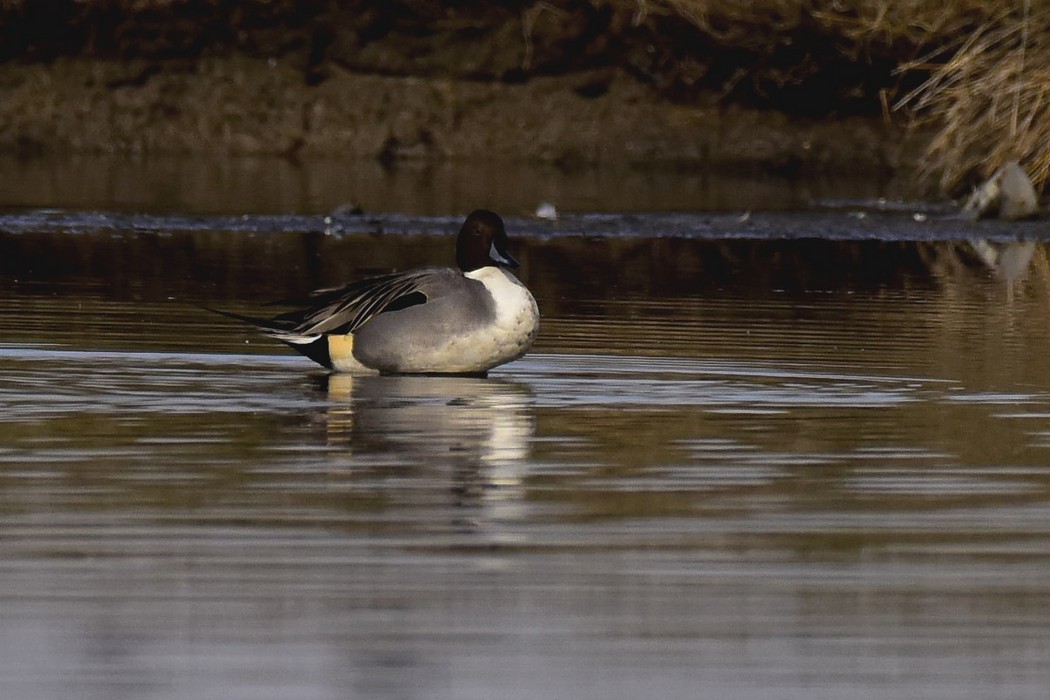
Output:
x=570 y=82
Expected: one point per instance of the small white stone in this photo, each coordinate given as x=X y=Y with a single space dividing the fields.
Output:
x=547 y=211
x=1008 y=194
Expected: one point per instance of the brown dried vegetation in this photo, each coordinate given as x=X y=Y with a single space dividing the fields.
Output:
x=974 y=74
x=986 y=94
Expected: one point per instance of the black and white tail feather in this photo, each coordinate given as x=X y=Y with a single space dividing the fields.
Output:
x=338 y=311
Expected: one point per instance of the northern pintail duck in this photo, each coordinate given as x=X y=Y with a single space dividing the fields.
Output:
x=432 y=320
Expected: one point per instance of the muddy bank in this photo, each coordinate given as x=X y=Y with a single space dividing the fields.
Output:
x=570 y=83
x=242 y=105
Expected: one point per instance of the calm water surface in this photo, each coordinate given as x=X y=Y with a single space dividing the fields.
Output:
x=709 y=480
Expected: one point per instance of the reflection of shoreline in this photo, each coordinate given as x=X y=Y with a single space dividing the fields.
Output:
x=470 y=433
x=569 y=274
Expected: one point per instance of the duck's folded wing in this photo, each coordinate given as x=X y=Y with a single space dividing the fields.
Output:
x=345 y=309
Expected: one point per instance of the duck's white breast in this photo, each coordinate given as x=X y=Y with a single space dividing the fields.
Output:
x=516 y=322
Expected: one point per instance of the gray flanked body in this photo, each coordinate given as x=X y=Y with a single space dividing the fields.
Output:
x=397 y=341
x=469 y=324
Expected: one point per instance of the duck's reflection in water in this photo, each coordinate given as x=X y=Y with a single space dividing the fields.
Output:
x=466 y=437
x=1009 y=261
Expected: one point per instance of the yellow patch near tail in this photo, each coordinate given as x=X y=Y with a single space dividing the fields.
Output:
x=341 y=355
x=340 y=348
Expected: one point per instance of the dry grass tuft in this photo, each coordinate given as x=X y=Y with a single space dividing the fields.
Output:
x=987 y=98
x=989 y=102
